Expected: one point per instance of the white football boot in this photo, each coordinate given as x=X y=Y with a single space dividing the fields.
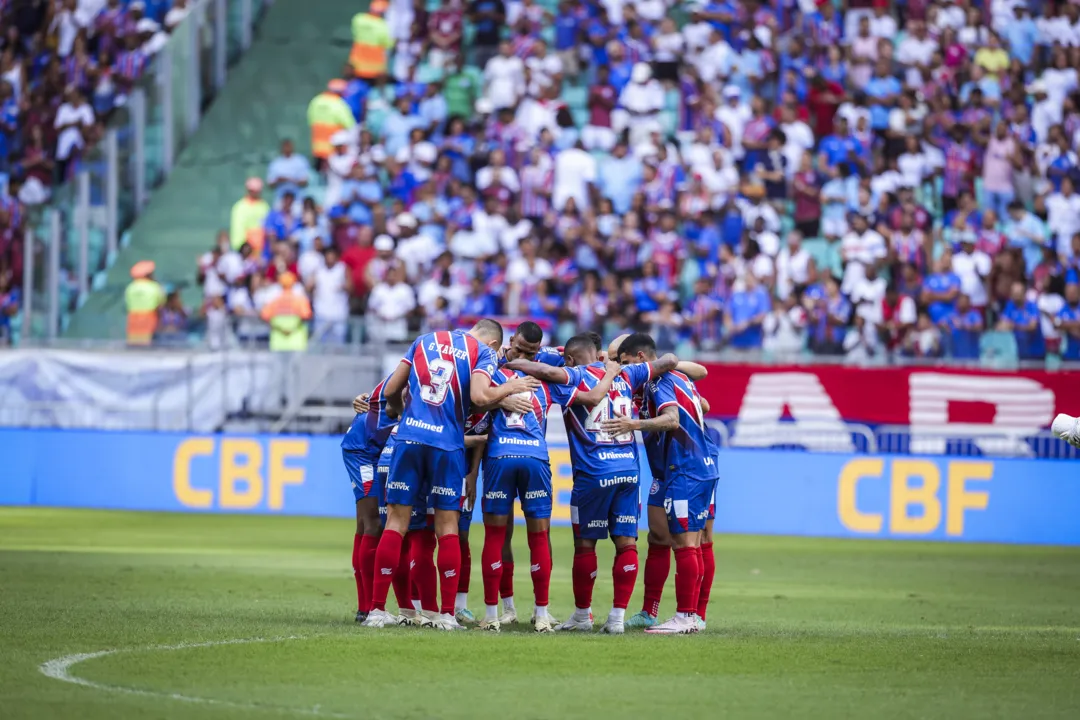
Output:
x=678 y=625
x=379 y=619
x=577 y=623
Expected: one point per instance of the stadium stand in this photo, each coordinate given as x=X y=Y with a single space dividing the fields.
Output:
x=867 y=180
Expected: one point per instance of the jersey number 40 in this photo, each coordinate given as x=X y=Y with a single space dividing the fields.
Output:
x=605 y=410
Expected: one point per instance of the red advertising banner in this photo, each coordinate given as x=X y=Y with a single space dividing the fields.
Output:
x=927 y=397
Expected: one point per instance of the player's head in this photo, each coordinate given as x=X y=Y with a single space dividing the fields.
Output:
x=613 y=348
x=639 y=347
x=488 y=332
x=596 y=340
x=580 y=350
x=525 y=342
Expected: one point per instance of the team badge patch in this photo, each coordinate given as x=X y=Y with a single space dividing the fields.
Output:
x=655 y=488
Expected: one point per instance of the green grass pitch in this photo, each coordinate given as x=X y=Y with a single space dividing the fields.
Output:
x=798 y=628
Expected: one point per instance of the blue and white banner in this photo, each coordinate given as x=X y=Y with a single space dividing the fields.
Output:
x=760 y=491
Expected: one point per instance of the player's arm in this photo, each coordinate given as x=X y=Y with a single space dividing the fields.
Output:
x=485 y=394
x=663 y=364
x=601 y=389
x=394 y=389
x=666 y=421
x=360 y=404
x=692 y=370
x=476 y=443
x=541 y=371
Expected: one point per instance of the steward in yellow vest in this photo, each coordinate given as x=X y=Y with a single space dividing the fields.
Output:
x=288 y=314
x=144 y=298
x=327 y=114
x=371 y=41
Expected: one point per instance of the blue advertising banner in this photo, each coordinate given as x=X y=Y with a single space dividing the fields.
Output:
x=760 y=491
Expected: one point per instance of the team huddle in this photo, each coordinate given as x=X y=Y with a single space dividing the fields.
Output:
x=460 y=406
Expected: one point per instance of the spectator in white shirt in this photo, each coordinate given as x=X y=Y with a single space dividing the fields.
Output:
x=504 y=78
x=415 y=249
x=916 y=52
x=973 y=268
x=311 y=261
x=792 y=266
x=330 y=290
x=73 y=118
x=640 y=103
x=1063 y=216
x=575 y=174
x=389 y=305
x=496 y=172
x=524 y=273
x=288 y=171
x=860 y=248
x=734 y=114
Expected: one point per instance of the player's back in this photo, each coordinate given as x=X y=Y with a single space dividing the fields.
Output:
x=593 y=452
x=688 y=449
x=440 y=376
x=516 y=433
x=369 y=431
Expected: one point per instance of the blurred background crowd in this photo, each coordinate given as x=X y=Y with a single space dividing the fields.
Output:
x=859 y=178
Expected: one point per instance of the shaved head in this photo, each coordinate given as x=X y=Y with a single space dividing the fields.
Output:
x=488 y=332
x=613 y=348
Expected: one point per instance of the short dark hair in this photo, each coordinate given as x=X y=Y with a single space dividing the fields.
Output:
x=638 y=342
x=530 y=331
x=578 y=342
x=490 y=328
x=597 y=341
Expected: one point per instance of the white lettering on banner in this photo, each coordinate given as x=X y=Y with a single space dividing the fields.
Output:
x=534 y=494
x=1022 y=407
x=618 y=480
x=421 y=425
x=612 y=455
x=439 y=490
x=518 y=441
x=817 y=423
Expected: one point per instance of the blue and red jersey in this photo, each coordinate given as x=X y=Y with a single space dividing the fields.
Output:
x=688 y=450
x=518 y=434
x=594 y=453
x=369 y=431
x=442 y=364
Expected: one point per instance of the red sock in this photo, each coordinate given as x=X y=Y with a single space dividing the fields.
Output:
x=506 y=585
x=584 y=576
x=449 y=570
x=540 y=566
x=657 y=569
x=386 y=561
x=369 y=545
x=423 y=569
x=363 y=600
x=491 y=563
x=624 y=575
x=708 y=564
x=466 y=565
x=687 y=579
x=402 y=575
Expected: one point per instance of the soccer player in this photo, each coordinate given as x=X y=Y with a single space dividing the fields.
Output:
x=516 y=465
x=360 y=449
x=682 y=458
x=525 y=344
x=1067 y=428
x=604 y=498
x=476 y=428
x=445 y=372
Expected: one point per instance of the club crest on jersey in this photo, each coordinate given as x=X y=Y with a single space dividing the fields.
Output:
x=655 y=488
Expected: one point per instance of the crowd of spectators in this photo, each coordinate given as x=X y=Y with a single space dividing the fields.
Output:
x=860 y=178
x=65 y=65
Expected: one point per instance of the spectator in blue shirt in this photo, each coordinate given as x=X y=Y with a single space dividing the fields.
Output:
x=746 y=311
x=1022 y=34
x=941 y=289
x=883 y=91
x=620 y=178
x=1021 y=317
x=1068 y=322
x=964 y=325
x=830 y=315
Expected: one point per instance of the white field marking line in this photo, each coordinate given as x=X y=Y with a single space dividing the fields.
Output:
x=60 y=669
